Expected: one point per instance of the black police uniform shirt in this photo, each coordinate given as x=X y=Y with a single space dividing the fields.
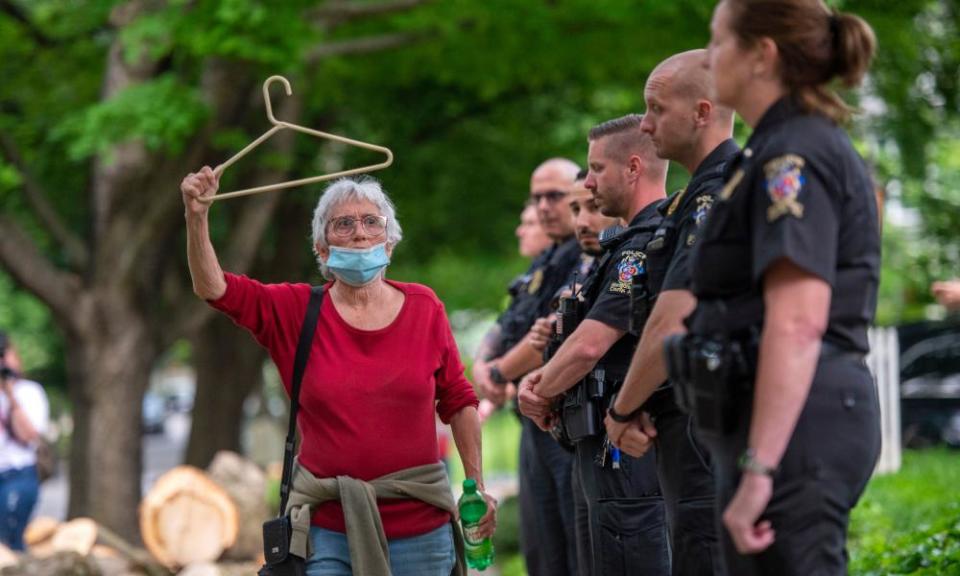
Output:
x=607 y=292
x=684 y=214
x=517 y=291
x=798 y=191
x=546 y=275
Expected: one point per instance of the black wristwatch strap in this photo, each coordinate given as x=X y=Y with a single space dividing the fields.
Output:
x=496 y=376
x=621 y=418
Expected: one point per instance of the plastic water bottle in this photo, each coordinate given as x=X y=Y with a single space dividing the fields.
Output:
x=472 y=507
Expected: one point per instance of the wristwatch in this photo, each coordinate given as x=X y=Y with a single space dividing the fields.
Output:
x=748 y=463
x=496 y=376
x=622 y=418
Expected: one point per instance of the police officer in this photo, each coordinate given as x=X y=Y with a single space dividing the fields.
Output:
x=686 y=126
x=627 y=529
x=549 y=333
x=532 y=241
x=785 y=274
x=588 y=223
x=546 y=522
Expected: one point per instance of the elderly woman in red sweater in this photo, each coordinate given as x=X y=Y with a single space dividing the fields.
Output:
x=383 y=361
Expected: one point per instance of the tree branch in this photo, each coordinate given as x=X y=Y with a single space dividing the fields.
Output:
x=19 y=14
x=364 y=45
x=21 y=258
x=339 y=11
x=77 y=253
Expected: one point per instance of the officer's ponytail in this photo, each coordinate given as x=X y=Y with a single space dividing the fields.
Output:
x=854 y=45
x=816 y=46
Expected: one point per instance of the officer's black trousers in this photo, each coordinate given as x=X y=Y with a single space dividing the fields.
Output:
x=546 y=503
x=827 y=464
x=627 y=520
x=581 y=523
x=687 y=483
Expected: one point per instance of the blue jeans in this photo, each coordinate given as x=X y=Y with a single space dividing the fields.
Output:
x=18 y=494
x=429 y=554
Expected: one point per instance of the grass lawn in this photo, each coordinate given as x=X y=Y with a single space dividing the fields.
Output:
x=909 y=522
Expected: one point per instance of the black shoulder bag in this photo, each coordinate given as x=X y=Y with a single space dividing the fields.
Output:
x=279 y=561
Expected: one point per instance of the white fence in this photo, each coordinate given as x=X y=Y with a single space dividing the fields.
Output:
x=884 y=363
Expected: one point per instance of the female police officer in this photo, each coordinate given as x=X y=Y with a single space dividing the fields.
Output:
x=786 y=278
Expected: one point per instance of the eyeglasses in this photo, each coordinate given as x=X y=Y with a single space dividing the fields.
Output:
x=373 y=225
x=551 y=196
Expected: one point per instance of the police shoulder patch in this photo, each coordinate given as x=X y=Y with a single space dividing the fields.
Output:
x=785 y=180
x=631 y=263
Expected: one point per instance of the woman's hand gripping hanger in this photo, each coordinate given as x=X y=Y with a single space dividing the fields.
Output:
x=279 y=125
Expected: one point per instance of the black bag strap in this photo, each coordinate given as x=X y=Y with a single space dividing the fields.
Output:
x=307 y=330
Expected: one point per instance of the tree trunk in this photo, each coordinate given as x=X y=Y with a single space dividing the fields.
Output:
x=229 y=366
x=110 y=367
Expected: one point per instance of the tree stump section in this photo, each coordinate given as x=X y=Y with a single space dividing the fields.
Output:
x=245 y=482
x=7 y=557
x=75 y=536
x=186 y=518
x=56 y=565
x=39 y=535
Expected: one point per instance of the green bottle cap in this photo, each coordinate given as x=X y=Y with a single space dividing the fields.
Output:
x=470 y=486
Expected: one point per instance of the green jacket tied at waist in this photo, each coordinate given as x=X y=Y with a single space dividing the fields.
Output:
x=368 y=543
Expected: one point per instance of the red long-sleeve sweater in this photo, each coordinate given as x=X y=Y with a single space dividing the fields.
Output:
x=368 y=397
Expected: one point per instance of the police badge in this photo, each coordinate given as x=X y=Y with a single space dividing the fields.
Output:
x=784 y=176
x=535 y=281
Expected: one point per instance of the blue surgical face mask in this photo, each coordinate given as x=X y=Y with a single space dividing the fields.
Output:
x=358 y=266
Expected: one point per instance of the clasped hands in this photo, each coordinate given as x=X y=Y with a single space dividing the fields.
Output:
x=634 y=438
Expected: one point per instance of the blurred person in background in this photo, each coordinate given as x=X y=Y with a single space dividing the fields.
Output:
x=24 y=413
x=532 y=241
x=947 y=293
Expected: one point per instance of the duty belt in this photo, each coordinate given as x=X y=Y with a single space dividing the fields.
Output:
x=584 y=405
x=711 y=376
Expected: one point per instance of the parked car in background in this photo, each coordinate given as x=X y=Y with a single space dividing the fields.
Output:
x=930 y=382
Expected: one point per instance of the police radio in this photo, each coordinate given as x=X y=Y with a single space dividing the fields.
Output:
x=570 y=312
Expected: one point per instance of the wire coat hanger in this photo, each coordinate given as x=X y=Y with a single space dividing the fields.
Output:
x=279 y=125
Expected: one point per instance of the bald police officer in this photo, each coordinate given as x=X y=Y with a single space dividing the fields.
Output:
x=687 y=127
x=547 y=525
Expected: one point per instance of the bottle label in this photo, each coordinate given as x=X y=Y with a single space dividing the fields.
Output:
x=472 y=534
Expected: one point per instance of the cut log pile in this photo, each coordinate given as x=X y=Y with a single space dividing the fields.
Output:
x=189 y=520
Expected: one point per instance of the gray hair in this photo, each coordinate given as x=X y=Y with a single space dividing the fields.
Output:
x=347 y=189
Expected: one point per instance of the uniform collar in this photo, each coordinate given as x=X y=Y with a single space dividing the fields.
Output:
x=780 y=111
x=712 y=166
x=649 y=212
x=719 y=155
x=564 y=247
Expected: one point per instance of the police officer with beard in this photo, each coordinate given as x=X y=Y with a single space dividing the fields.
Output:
x=626 y=524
